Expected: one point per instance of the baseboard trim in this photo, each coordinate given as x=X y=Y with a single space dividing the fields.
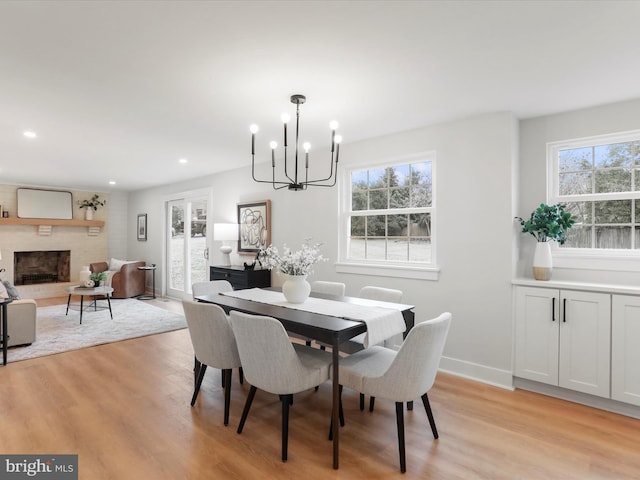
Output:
x=481 y=373
x=601 y=403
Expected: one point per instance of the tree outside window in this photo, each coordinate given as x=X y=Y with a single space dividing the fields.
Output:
x=390 y=213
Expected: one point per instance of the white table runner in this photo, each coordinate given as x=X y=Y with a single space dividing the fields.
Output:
x=382 y=323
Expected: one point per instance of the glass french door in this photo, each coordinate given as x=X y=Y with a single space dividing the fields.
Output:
x=187 y=245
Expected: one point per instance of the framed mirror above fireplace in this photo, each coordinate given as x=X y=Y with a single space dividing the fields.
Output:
x=38 y=203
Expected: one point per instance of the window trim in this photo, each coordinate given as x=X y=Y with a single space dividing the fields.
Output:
x=590 y=258
x=387 y=268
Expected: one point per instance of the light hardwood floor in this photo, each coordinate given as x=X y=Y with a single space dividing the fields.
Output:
x=124 y=409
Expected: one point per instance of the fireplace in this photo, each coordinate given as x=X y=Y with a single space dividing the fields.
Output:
x=50 y=266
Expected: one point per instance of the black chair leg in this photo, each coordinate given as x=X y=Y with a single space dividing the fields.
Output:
x=286 y=400
x=247 y=407
x=432 y=422
x=201 y=371
x=372 y=402
x=196 y=369
x=241 y=375
x=400 y=421
x=227 y=394
x=362 y=402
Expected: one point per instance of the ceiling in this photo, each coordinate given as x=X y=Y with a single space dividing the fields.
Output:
x=120 y=90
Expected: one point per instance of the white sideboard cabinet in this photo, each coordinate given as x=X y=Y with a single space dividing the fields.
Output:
x=563 y=338
x=625 y=349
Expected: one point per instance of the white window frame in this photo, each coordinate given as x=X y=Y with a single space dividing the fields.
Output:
x=589 y=258
x=387 y=268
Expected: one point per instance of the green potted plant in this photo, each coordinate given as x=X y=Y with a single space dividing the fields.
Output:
x=547 y=222
x=92 y=205
x=98 y=278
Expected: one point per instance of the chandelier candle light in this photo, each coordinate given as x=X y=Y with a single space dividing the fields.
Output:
x=294 y=181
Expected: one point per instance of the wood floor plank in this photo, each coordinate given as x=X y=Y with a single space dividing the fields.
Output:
x=124 y=409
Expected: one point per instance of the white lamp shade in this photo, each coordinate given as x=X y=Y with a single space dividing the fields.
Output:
x=225 y=231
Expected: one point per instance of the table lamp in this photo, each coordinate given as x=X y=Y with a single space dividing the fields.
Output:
x=225 y=232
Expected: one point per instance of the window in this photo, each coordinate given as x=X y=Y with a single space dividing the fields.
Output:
x=388 y=212
x=598 y=179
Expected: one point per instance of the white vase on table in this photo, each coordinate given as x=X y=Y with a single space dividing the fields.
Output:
x=84 y=274
x=88 y=213
x=295 y=288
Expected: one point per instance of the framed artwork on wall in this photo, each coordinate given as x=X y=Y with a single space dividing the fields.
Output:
x=254 y=219
x=142 y=227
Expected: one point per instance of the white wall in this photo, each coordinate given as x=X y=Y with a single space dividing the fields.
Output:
x=534 y=135
x=475 y=177
x=117 y=221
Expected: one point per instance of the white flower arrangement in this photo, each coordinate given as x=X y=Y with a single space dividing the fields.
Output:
x=290 y=262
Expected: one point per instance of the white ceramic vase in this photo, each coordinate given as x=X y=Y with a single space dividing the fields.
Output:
x=88 y=213
x=84 y=274
x=296 y=289
x=542 y=264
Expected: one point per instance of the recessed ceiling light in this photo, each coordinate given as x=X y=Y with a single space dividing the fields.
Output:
x=29 y=134
x=183 y=160
x=112 y=182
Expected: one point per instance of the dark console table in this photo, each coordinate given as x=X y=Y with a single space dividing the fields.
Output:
x=240 y=278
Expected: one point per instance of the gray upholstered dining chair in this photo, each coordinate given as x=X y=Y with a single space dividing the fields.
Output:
x=214 y=345
x=357 y=343
x=210 y=288
x=380 y=293
x=273 y=364
x=403 y=375
x=329 y=288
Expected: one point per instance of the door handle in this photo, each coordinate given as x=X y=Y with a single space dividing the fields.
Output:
x=564 y=310
x=553 y=309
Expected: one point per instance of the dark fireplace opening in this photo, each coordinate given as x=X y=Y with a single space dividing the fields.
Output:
x=41 y=267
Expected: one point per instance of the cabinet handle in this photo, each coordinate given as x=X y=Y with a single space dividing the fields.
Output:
x=564 y=310
x=553 y=309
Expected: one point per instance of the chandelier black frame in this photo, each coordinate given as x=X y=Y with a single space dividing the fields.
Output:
x=294 y=182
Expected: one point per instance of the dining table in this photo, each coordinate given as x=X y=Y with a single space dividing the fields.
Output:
x=327 y=329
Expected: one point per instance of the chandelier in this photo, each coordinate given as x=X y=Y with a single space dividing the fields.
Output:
x=293 y=178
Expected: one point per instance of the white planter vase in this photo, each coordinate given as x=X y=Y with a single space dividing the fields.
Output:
x=84 y=274
x=542 y=264
x=88 y=213
x=296 y=289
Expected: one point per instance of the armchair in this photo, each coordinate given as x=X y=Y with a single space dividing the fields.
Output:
x=127 y=282
x=21 y=322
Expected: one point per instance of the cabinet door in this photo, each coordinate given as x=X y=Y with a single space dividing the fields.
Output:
x=625 y=354
x=537 y=334
x=585 y=336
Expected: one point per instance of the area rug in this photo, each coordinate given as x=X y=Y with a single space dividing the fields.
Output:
x=57 y=332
